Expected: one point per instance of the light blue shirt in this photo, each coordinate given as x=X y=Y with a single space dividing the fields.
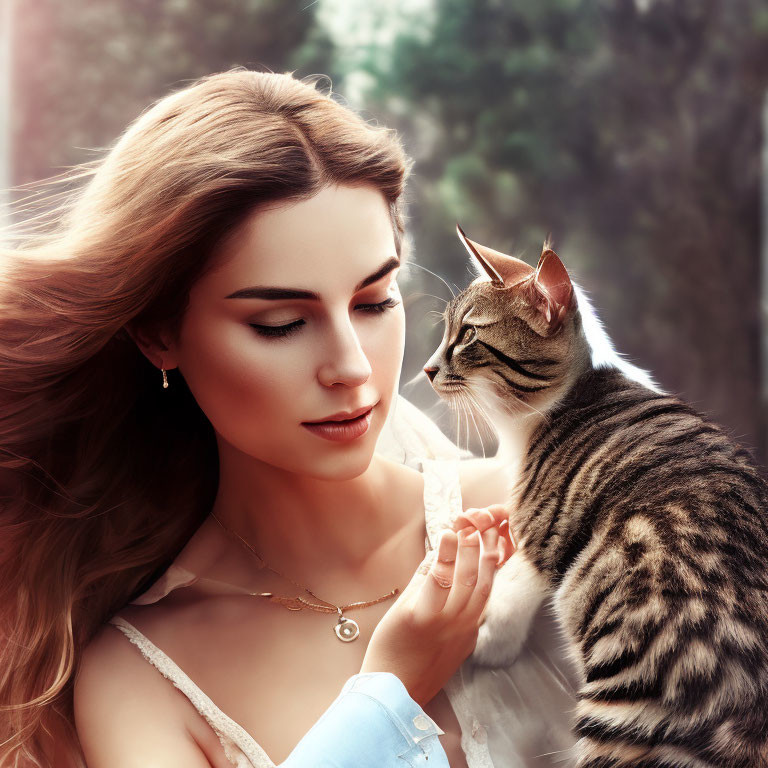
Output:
x=372 y=723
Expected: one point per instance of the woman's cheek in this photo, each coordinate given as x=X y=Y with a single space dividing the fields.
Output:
x=235 y=376
x=392 y=344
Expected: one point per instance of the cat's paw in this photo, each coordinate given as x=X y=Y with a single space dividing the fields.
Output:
x=517 y=592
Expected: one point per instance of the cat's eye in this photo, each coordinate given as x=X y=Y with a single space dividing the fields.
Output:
x=467 y=334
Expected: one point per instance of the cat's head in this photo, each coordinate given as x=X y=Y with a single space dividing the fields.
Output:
x=513 y=337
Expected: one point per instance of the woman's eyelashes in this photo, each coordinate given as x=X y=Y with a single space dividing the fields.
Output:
x=280 y=331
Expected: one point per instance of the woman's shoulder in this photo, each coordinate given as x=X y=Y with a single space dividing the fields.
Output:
x=119 y=696
x=113 y=651
x=480 y=481
x=483 y=482
x=109 y=667
x=126 y=714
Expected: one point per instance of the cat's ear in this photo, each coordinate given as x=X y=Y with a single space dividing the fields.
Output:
x=503 y=270
x=553 y=288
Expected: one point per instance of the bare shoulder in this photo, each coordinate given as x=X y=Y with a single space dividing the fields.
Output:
x=483 y=482
x=128 y=715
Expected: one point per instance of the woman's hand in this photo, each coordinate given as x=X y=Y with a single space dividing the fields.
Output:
x=432 y=627
x=497 y=515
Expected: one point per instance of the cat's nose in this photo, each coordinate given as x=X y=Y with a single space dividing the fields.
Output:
x=431 y=372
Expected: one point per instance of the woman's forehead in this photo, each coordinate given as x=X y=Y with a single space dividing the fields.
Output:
x=339 y=236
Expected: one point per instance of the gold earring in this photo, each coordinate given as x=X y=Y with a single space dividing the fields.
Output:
x=165 y=379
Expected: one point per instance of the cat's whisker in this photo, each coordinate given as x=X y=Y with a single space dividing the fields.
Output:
x=467 y=405
x=465 y=410
x=440 y=317
x=415 y=380
x=457 y=423
x=466 y=430
x=535 y=410
x=421 y=295
x=459 y=414
x=566 y=752
x=522 y=402
x=482 y=414
x=508 y=408
x=456 y=403
x=474 y=421
x=421 y=266
x=531 y=408
x=477 y=406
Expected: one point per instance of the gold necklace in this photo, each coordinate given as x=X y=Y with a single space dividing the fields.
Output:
x=346 y=629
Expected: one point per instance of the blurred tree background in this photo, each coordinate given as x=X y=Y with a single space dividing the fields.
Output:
x=629 y=130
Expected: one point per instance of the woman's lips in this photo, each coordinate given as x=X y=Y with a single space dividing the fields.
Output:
x=341 y=431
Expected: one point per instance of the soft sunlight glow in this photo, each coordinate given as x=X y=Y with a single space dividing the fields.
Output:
x=6 y=10
x=367 y=30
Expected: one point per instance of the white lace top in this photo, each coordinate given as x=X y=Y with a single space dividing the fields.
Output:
x=513 y=697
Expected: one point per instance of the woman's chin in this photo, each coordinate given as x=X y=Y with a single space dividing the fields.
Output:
x=342 y=456
x=341 y=464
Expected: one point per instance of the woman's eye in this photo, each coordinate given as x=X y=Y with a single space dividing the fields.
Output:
x=280 y=331
x=380 y=307
x=276 y=331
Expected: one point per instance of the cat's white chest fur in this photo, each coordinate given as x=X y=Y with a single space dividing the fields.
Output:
x=518 y=589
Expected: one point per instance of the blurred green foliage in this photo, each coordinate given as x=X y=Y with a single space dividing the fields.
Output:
x=631 y=135
x=630 y=130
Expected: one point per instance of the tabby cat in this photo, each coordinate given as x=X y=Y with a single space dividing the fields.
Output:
x=645 y=523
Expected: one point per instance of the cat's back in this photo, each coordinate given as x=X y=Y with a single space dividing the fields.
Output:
x=651 y=524
x=613 y=450
x=621 y=431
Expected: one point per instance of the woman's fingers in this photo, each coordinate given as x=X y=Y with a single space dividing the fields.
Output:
x=489 y=555
x=497 y=515
x=457 y=576
x=482 y=518
x=465 y=577
x=479 y=518
x=507 y=540
x=438 y=573
x=503 y=552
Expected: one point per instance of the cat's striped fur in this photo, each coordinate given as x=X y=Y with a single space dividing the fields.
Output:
x=647 y=521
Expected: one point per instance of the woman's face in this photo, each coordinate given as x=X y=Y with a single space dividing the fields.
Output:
x=261 y=363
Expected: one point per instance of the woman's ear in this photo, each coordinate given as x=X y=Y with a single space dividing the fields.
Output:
x=152 y=346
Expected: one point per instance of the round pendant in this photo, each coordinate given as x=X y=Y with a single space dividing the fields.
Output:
x=346 y=629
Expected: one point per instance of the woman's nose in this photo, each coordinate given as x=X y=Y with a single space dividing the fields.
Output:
x=345 y=361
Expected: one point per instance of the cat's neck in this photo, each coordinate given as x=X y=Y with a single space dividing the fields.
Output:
x=514 y=436
x=515 y=429
x=592 y=351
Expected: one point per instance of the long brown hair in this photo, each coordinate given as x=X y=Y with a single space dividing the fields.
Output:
x=103 y=478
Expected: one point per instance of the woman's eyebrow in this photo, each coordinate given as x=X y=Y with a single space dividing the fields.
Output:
x=270 y=292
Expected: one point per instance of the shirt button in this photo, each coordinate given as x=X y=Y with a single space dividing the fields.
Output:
x=422 y=723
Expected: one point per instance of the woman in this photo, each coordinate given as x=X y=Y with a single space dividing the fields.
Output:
x=243 y=237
